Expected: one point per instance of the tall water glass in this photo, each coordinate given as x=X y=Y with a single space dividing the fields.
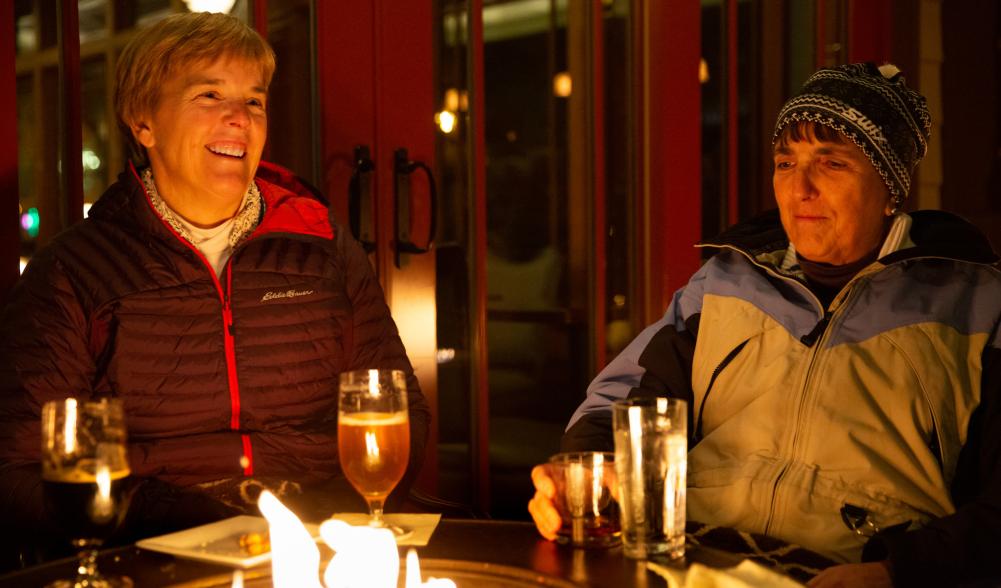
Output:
x=651 y=460
x=84 y=472
x=373 y=434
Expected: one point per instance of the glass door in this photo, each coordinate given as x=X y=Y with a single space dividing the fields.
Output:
x=534 y=261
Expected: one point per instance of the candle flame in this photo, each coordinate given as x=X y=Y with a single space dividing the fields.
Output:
x=295 y=559
x=364 y=557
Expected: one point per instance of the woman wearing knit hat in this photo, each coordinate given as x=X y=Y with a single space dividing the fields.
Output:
x=841 y=359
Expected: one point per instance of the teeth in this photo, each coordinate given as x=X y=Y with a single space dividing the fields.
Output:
x=230 y=150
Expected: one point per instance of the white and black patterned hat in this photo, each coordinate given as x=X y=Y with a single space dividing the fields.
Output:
x=874 y=109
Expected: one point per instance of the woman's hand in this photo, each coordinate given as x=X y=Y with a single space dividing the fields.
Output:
x=870 y=575
x=541 y=507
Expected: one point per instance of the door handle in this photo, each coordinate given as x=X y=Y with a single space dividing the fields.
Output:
x=403 y=168
x=360 y=194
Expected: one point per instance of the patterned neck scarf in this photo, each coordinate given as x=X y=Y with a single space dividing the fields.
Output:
x=244 y=222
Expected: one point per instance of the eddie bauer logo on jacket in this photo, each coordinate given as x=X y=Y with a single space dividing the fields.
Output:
x=285 y=294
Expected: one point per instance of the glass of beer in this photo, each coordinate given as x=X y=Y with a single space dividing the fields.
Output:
x=373 y=435
x=84 y=471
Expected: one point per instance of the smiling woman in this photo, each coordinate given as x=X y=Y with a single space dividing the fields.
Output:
x=212 y=292
x=205 y=137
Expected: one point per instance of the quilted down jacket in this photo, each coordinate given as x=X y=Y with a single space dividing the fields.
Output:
x=222 y=378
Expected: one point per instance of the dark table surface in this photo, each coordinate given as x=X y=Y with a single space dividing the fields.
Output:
x=494 y=546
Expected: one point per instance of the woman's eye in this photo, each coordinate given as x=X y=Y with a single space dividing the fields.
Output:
x=783 y=164
x=211 y=95
x=256 y=102
x=834 y=163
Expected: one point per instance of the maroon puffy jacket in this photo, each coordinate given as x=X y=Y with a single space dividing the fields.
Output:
x=211 y=371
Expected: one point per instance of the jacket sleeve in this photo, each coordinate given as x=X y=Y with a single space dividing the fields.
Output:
x=377 y=344
x=658 y=362
x=964 y=546
x=44 y=356
x=47 y=351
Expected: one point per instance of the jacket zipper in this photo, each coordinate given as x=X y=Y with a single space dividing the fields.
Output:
x=246 y=460
x=229 y=332
x=820 y=334
x=712 y=380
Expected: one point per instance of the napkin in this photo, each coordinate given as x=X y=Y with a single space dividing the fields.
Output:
x=422 y=525
x=747 y=574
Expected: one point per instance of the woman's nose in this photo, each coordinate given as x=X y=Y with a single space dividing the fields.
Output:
x=804 y=186
x=238 y=113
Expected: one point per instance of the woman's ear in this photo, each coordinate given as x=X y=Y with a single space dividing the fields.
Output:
x=143 y=133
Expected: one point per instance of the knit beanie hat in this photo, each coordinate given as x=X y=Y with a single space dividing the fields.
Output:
x=874 y=109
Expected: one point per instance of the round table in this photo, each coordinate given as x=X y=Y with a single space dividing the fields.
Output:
x=503 y=548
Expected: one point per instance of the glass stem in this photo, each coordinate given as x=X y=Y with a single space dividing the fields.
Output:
x=375 y=507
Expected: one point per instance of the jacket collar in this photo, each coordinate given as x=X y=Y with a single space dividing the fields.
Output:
x=923 y=233
x=290 y=205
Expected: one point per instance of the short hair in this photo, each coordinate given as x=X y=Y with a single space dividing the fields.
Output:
x=805 y=130
x=167 y=47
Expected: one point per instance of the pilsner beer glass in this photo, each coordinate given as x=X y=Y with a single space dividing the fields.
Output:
x=84 y=472
x=373 y=435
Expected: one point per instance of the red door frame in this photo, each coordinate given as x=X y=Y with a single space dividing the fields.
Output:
x=10 y=237
x=480 y=442
x=667 y=49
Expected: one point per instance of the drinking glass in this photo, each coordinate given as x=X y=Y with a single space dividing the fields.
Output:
x=84 y=477
x=373 y=435
x=585 y=498
x=651 y=461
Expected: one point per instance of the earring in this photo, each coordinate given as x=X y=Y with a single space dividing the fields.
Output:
x=896 y=203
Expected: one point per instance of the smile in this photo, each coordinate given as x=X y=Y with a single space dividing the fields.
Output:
x=229 y=150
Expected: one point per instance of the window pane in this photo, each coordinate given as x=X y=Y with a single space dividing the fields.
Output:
x=619 y=188
x=290 y=95
x=93 y=16
x=27 y=39
x=27 y=140
x=96 y=129
x=455 y=409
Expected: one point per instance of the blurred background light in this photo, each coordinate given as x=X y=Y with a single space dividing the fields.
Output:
x=446 y=121
x=210 y=5
x=29 y=222
x=562 y=84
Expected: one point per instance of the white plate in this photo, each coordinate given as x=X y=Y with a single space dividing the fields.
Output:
x=217 y=542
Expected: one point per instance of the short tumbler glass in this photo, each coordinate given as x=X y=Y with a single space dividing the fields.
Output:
x=585 y=489
x=651 y=460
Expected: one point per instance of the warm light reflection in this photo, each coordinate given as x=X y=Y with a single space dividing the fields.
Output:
x=562 y=84
x=597 y=479
x=23 y=262
x=69 y=427
x=452 y=99
x=703 y=71
x=102 y=500
x=371 y=447
x=373 y=384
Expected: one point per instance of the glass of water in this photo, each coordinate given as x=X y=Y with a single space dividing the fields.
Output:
x=651 y=462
